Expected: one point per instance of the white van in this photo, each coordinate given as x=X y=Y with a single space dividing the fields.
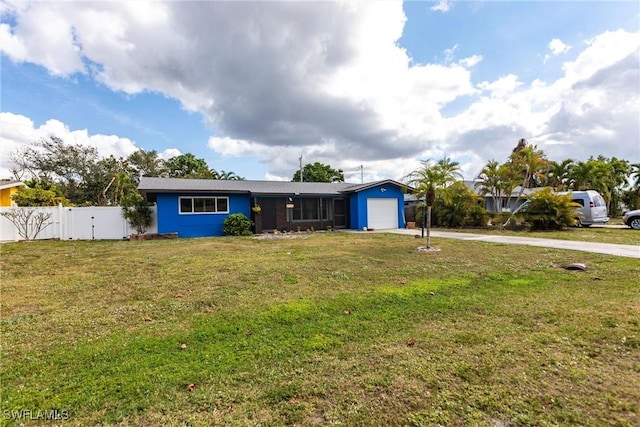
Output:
x=592 y=210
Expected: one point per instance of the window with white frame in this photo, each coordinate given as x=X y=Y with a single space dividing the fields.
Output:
x=204 y=205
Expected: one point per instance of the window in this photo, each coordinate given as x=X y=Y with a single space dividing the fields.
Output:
x=310 y=209
x=198 y=205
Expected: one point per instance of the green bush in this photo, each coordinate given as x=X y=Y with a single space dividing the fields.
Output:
x=455 y=206
x=137 y=211
x=546 y=210
x=237 y=225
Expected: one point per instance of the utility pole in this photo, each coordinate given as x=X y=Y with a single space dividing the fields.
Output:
x=300 y=159
x=361 y=174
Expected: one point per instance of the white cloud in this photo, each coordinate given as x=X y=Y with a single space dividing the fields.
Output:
x=557 y=47
x=442 y=5
x=470 y=61
x=19 y=132
x=274 y=80
x=502 y=87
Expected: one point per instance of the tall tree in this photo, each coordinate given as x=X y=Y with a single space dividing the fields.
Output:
x=531 y=162
x=557 y=174
x=634 y=175
x=582 y=174
x=33 y=194
x=496 y=180
x=71 y=166
x=188 y=166
x=146 y=163
x=319 y=172
x=439 y=174
x=430 y=179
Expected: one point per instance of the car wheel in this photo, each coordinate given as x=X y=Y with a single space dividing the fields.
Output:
x=579 y=223
x=635 y=223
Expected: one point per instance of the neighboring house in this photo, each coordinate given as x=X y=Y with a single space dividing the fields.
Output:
x=198 y=207
x=8 y=189
x=509 y=203
x=512 y=201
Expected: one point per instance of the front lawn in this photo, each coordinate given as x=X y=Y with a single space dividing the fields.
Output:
x=332 y=328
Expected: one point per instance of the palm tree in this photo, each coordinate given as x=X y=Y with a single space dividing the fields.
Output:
x=557 y=174
x=231 y=176
x=489 y=181
x=531 y=162
x=581 y=174
x=496 y=180
x=431 y=177
x=634 y=173
x=438 y=175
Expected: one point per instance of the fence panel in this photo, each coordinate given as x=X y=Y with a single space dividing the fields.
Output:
x=86 y=223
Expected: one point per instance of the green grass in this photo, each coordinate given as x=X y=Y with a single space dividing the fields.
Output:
x=620 y=236
x=352 y=329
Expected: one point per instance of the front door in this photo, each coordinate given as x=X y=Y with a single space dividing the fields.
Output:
x=340 y=213
x=268 y=212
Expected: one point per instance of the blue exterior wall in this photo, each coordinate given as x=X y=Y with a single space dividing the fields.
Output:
x=358 y=204
x=197 y=225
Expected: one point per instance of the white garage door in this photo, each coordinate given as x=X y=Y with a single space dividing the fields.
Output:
x=382 y=213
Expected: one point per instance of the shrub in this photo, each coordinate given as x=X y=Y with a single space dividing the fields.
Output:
x=456 y=206
x=546 y=210
x=237 y=224
x=137 y=211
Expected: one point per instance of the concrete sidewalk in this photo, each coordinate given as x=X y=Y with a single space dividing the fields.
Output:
x=631 y=251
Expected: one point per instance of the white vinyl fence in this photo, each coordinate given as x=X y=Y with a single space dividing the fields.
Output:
x=90 y=223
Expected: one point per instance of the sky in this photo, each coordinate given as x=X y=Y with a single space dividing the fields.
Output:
x=369 y=87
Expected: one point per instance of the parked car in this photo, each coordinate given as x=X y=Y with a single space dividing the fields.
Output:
x=592 y=210
x=632 y=219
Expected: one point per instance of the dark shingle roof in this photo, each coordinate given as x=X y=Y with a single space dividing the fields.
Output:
x=181 y=185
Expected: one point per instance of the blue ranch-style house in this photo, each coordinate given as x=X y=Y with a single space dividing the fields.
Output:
x=198 y=207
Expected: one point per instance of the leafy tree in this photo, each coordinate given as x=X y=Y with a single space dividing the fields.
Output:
x=319 y=172
x=146 y=163
x=39 y=196
x=546 y=210
x=615 y=181
x=631 y=198
x=634 y=175
x=608 y=176
x=188 y=166
x=114 y=180
x=70 y=166
x=583 y=175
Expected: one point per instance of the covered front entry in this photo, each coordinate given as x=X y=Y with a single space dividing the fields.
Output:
x=382 y=213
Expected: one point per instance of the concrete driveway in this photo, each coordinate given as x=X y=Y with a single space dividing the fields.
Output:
x=631 y=251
